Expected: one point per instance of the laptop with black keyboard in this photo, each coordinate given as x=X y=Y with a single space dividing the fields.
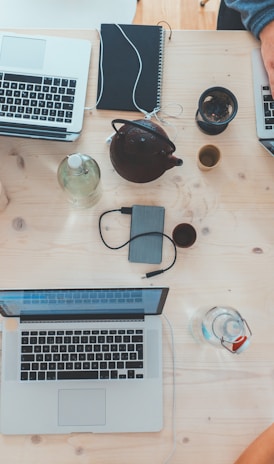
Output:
x=43 y=83
x=81 y=360
x=264 y=103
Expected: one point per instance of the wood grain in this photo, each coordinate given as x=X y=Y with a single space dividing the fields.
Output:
x=179 y=14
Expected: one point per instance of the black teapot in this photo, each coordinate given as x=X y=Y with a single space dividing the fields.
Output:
x=141 y=151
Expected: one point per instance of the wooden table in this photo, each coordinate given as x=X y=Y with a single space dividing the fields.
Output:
x=222 y=400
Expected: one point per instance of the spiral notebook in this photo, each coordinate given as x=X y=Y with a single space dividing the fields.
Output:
x=121 y=65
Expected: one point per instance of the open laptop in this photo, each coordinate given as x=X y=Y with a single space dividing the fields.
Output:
x=82 y=360
x=264 y=104
x=43 y=83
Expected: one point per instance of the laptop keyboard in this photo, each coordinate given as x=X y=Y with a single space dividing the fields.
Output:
x=82 y=354
x=268 y=108
x=37 y=98
x=78 y=297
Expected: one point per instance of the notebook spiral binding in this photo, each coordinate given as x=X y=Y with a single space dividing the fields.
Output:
x=161 y=66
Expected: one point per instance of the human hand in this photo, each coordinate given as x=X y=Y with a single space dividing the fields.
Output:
x=267 y=50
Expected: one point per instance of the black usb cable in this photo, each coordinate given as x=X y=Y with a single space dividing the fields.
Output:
x=128 y=210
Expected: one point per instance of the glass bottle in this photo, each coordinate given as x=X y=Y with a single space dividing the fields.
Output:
x=80 y=177
x=221 y=326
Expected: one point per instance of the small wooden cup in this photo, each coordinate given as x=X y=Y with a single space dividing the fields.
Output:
x=209 y=157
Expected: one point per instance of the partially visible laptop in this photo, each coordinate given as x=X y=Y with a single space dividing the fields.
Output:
x=82 y=360
x=43 y=83
x=264 y=104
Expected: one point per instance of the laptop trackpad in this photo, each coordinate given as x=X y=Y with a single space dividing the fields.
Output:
x=82 y=407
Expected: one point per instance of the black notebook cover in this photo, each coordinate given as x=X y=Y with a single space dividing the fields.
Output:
x=121 y=66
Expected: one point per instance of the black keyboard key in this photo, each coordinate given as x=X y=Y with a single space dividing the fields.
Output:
x=267 y=98
x=74 y=375
x=134 y=365
x=24 y=376
x=33 y=376
x=48 y=81
x=25 y=366
x=139 y=349
x=27 y=357
x=67 y=106
x=22 y=78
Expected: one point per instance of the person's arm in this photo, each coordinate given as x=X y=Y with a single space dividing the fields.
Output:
x=258 y=17
x=267 y=50
x=255 y=14
x=261 y=450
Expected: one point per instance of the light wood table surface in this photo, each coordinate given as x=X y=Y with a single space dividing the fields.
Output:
x=222 y=400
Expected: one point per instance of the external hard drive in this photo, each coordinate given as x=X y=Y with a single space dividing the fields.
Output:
x=147 y=249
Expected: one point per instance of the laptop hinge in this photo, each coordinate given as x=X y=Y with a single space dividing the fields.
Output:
x=81 y=318
x=29 y=130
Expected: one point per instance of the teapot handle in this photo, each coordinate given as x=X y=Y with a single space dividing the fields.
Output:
x=148 y=129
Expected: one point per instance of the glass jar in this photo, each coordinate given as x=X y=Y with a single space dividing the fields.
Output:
x=80 y=177
x=221 y=326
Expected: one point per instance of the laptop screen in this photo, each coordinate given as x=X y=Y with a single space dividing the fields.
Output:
x=101 y=302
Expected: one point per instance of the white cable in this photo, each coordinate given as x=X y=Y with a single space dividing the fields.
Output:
x=173 y=392
x=90 y=108
x=139 y=72
x=147 y=115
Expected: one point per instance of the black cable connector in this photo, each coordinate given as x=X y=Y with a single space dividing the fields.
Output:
x=126 y=210
x=153 y=273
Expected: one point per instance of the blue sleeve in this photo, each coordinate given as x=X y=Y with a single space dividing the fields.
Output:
x=256 y=14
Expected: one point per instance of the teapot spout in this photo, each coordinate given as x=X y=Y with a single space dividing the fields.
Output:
x=173 y=161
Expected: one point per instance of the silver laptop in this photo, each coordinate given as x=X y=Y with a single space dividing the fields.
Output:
x=82 y=360
x=264 y=103
x=43 y=83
